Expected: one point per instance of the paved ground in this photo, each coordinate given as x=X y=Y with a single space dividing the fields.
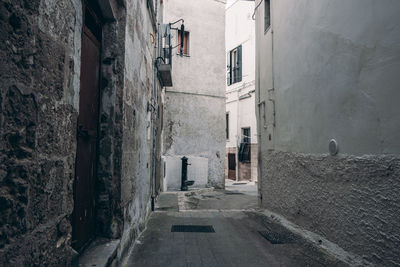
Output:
x=248 y=188
x=235 y=242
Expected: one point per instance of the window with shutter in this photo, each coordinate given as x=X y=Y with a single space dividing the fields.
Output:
x=235 y=65
x=229 y=68
x=267 y=15
x=246 y=137
x=227 y=126
x=239 y=64
x=245 y=146
x=185 y=43
x=150 y=7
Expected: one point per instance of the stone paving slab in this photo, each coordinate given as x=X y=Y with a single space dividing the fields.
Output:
x=236 y=241
x=216 y=199
x=100 y=253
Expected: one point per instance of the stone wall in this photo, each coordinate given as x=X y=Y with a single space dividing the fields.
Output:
x=108 y=197
x=39 y=77
x=244 y=171
x=138 y=110
x=40 y=45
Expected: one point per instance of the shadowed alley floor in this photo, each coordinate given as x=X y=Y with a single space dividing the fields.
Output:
x=236 y=241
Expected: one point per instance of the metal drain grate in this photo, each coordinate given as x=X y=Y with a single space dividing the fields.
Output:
x=278 y=238
x=233 y=193
x=164 y=208
x=192 y=228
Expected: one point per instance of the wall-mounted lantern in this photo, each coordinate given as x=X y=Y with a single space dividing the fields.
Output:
x=182 y=33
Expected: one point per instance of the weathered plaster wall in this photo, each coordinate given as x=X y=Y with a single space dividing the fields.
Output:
x=352 y=201
x=264 y=82
x=240 y=30
x=348 y=84
x=137 y=127
x=108 y=185
x=240 y=96
x=241 y=106
x=196 y=171
x=39 y=77
x=194 y=112
x=330 y=70
x=190 y=134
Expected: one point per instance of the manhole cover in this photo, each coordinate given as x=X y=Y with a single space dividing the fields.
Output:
x=192 y=228
x=278 y=238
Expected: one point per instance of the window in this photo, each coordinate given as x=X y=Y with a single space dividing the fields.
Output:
x=227 y=126
x=245 y=149
x=185 y=43
x=267 y=15
x=150 y=7
x=234 y=65
x=246 y=138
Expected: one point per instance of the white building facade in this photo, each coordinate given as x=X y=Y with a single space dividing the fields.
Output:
x=194 y=111
x=327 y=88
x=241 y=126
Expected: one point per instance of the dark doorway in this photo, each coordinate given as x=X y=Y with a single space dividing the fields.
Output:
x=231 y=166
x=83 y=227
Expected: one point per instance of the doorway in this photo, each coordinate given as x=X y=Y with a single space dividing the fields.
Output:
x=83 y=227
x=231 y=166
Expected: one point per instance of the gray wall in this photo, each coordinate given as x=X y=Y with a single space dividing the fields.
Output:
x=194 y=115
x=137 y=127
x=109 y=218
x=330 y=70
x=39 y=77
x=341 y=78
x=40 y=44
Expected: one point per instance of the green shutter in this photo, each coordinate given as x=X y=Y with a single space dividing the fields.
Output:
x=239 y=63
x=227 y=126
x=229 y=68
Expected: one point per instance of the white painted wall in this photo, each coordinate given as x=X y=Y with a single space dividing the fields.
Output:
x=336 y=68
x=197 y=172
x=331 y=69
x=194 y=114
x=240 y=30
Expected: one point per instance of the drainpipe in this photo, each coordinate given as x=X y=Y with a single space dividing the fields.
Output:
x=154 y=113
x=272 y=100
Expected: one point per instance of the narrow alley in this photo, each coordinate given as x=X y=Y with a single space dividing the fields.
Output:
x=232 y=133
x=220 y=228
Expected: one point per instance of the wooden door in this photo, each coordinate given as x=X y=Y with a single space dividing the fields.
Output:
x=85 y=169
x=231 y=166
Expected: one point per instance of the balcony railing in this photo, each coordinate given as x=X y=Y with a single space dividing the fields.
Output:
x=164 y=60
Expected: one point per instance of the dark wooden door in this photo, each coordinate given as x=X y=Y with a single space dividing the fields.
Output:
x=85 y=172
x=231 y=166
